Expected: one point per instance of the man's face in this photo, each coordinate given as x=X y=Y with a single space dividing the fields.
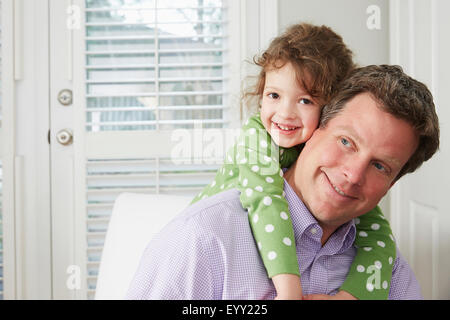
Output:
x=348 y=166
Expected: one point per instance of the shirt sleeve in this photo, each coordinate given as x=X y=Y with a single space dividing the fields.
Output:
x=174 y=266
x=404 y=285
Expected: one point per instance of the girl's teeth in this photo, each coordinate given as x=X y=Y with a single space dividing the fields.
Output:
x=285 y=128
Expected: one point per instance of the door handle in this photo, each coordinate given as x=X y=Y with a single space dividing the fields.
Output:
x=65 y=97
x=64 y=137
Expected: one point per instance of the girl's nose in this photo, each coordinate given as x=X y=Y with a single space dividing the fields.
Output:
x=287 y=109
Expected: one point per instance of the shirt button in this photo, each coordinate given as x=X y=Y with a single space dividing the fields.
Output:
x=313 y=230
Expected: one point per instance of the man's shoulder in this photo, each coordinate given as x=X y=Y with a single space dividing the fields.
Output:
x=214 y=220
x=210 y=225
x=221 y=211
x=216 y=200
x=222 y=200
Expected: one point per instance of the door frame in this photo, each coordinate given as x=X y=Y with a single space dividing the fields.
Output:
x=7 y=152
x=26 y=197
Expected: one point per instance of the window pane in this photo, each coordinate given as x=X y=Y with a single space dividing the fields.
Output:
x=179 y=72
x=117 y=45
x=119 y=31
x=105 y=88
x=197 y=100
x=112 y=59
x=189 y=58
x=121 y=15
x=119 y=3
x=190 y=86
x=192 y=42
x=189 y=3
x=154 y=54
x=118 y=74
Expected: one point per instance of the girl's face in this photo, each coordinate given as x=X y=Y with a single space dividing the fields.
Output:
x=288 y=112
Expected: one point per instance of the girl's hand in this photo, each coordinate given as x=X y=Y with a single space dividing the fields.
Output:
x=341 y=295
x=288 y=287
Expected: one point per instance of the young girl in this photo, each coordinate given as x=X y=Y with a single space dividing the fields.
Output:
x=300 y=71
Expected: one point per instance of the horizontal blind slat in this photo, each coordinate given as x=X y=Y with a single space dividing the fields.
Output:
x=154 y=122
x=150 y=190
x=145 y=8
x=160 y=65
x=191 y=107
x=139 y=37
x=187 y=50
x=153 y=94
x=155 y=80
x=148 y=23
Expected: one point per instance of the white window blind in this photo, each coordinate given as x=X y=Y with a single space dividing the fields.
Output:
x=151 y=65
x=155 y=64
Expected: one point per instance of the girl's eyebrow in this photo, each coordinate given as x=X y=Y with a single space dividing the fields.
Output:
x=302 y=91
x=271 y=88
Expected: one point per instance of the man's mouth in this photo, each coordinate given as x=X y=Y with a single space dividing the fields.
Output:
x=339 y=190
x=342 y=193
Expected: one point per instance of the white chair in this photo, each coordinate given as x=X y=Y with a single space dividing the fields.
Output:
x=135 y=219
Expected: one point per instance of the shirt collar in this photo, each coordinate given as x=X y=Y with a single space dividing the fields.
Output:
x=303 y=220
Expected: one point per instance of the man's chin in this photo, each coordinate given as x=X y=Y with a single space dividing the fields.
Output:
x=331 y=221
x=332 y=216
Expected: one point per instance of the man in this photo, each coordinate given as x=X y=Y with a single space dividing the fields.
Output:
x=380 y=126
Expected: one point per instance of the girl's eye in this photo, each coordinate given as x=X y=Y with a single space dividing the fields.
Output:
x=345 y=142
x=273 y=95
x=305 y=101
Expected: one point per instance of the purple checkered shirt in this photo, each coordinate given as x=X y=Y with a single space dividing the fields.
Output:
x=208 y=252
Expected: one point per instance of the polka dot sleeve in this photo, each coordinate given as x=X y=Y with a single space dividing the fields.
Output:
x=261 y=184
x=370 y=274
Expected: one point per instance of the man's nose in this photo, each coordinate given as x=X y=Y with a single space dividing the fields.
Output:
x=355 y=171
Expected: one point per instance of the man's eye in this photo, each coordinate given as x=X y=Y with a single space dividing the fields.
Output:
x=379 y=166
x=305 y=101
x=273 y=95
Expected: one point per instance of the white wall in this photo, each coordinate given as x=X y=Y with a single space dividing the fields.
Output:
x=420 y=43
x=415 y=35
x=348 y=18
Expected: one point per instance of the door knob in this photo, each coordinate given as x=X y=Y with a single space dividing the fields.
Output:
x=64 y=137
x=65 y=97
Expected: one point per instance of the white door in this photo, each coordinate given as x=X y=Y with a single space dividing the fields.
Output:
x=137 y=73
x=62 y=152
x=420 y=208
x=7 y=160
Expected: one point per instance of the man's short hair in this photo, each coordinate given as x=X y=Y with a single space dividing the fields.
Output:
x=399 y=95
